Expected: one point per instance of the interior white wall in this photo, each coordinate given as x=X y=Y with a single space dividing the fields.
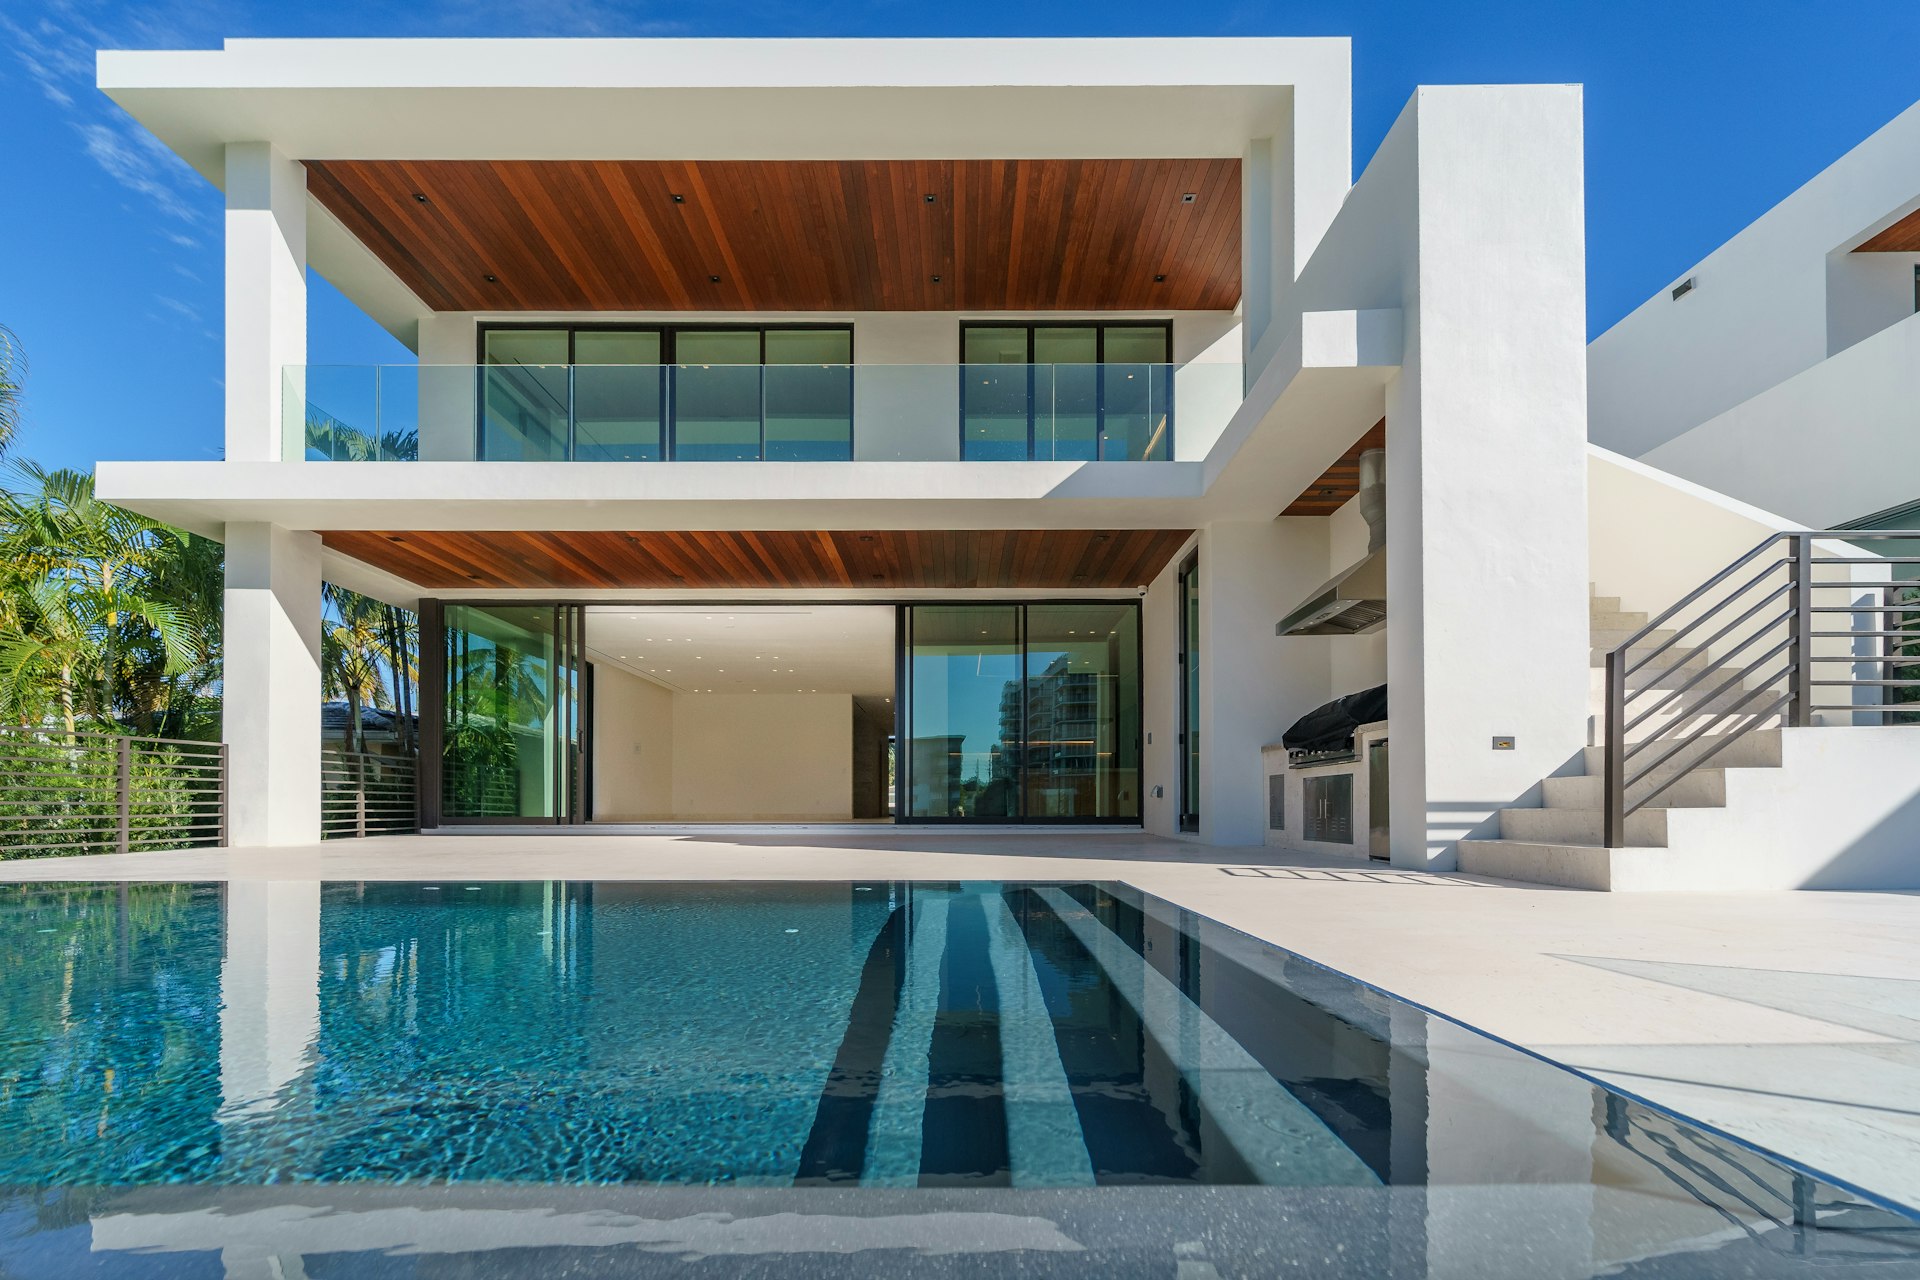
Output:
x=270 y=708
x=763 y=757
x=633 y=760
x=1776 y=299
x=266 y=294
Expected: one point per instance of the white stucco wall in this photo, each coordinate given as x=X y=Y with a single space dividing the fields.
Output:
x=1776 y=299
x=1832 y=444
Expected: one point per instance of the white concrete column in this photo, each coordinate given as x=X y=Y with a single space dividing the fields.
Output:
x=1292 y=183
x=271 y=696
x=448 y=387
x=1487 y=631
x=266 y=297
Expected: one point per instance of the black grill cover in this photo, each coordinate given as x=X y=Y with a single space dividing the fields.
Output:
x=1330 y=728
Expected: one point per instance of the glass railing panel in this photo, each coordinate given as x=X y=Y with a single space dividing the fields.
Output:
x=734 y=413
x=995 y=412
x=618 y=412
x=716 y=413
x=809 y=413
x=524 y=412
x=1138 y=412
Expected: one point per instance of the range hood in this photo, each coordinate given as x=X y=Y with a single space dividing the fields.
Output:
x=1353 y=601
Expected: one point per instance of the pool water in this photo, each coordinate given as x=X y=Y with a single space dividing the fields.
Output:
x=866 y=1046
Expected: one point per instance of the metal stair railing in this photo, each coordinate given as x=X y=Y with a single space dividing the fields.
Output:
x=1772 y=624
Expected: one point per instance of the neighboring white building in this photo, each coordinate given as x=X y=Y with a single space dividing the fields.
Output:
x=784 y=409
x=1784 y=369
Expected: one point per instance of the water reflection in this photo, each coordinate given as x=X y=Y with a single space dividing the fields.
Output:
x=285 y=1078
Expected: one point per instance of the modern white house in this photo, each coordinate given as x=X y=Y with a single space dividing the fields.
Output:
x=1001 y=433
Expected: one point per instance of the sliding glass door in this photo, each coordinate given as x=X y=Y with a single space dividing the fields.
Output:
x=509 y=719
x=1022 y=713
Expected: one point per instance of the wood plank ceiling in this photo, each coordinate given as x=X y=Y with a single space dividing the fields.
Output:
x=883 y=558
x=1902 y=237
x=1340 y=482
x=797 y=235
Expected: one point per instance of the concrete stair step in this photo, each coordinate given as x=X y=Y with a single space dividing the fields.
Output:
x=1616 y=620
x=1670 y=724
x=1646 y=827
x=1759 y=749
x=1614 y=637
x=1602 y=604
x=1572 y=866
x=1699 y=789
x=1680 y=658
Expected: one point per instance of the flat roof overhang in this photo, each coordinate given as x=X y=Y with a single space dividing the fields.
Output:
x=1174 y=115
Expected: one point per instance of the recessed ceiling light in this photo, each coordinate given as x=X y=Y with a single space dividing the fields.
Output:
x=1188 y=197
x=493 y=279
x=1159 y=279
x=929 y=197
x=679 y=199
x=713 y=279
x=936 y=279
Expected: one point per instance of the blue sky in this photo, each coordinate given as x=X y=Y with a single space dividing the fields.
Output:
x=1701 y=114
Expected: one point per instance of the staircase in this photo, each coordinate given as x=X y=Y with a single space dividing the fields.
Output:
x=1720 y=778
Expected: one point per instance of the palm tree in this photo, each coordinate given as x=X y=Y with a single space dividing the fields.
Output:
x=75 y=598
x=353 y=655
x=13 y=377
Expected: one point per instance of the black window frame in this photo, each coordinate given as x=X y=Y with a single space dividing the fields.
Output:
x=1188 y=816
x=1099 y=327
x=669 y=358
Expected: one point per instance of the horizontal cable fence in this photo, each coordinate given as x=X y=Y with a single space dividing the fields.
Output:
x=92 y=792
x=364 y=793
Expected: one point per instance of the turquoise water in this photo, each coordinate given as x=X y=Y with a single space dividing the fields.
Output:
x=357 y=1075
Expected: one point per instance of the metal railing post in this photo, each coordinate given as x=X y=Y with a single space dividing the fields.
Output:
x=360 y=796
x=123 y=794
x=225 y=839
x=1614 y=751
x=1800 y=652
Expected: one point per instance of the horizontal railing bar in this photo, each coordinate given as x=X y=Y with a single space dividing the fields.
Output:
x=108 y=828
x=1870 y=708
x=1859 y=608
x=1820 y=560
x=1707 y=755
x=1911 y=633
x=105 y=736
x=1897 y=659
x=1884 y=684
x=73 y=764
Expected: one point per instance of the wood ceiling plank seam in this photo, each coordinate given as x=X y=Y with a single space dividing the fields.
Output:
x=570 y=222
x=827 y=547
x=1133 y=229
x=1080 y=252
x=576 y=552
x=827 y=270
x=783 y=206
x=1051 y=191
x=451 y=256
x=878 y=197
x=901 y=289
x=767 y=555
x=1019 y=224
x=632 y=275
x=627 y=186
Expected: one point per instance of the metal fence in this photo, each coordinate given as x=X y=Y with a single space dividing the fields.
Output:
x=363 y=793
x=91 y=792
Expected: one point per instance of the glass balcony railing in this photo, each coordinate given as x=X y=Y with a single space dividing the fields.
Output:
x=753 y=413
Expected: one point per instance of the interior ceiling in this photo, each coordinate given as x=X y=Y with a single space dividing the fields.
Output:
x=1340 y=482
x=1902 y=237
x=840 y=558
x=842 y=649
x=798 y=235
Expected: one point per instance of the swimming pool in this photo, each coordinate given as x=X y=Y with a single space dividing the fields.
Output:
x=928 y=1077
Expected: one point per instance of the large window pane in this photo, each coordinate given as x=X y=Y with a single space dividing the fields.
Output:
x=1082 y=750
x=809 y=395
x=1066 y=393
x=617 y=395
x=964 y=711
x=1138 y=394
x=995 y=392
x=524 y=396
x=716 y=396
x=505 y=688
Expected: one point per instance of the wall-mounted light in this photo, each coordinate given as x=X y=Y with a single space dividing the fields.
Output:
x=1684 y=288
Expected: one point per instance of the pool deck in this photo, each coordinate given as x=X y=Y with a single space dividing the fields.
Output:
x=1791 y=1020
